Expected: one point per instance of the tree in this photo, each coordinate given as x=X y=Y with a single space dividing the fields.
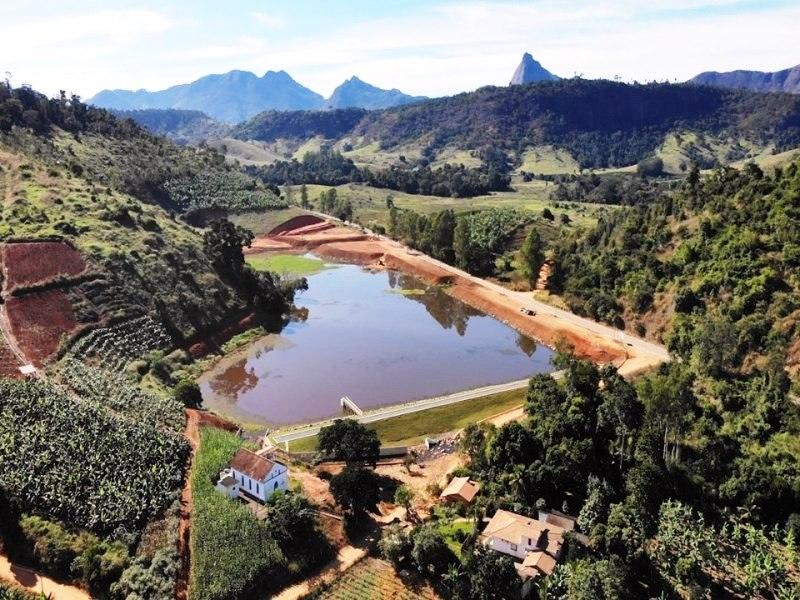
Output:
x=403 y=496
x=492 y=575
x=350 y=441
x=188 y=393
x=532 y=254
x=597 y=580
x=395 y=545
x=223 y=242
x=304 y=203
x=355 y=489
x=430 y=551
x=462 y=244
x=595 y=508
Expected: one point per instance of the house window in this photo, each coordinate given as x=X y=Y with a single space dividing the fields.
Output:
x=258 y=491
x=514 y=547
x=276 y=486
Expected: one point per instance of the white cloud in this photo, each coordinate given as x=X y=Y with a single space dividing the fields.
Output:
x=440 y=49
x=269 y=21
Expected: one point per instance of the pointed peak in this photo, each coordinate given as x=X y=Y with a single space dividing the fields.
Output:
x=530 y=70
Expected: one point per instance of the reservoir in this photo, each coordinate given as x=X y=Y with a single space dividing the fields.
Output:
x=378 y=337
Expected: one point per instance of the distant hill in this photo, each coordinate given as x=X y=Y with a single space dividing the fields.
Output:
x=787 y=80
x=600 y=123
x=231 y=97
x=355 y=93
x=181 y=126
x=530 y=70
x=236 y=96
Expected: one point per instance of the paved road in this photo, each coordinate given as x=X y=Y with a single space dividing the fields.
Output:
x=398 y=410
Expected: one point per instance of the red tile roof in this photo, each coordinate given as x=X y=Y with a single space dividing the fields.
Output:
x=251 y=464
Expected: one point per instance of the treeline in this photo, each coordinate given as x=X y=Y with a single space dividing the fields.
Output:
x=329 y=167
x=607 y=189
x=471 y=241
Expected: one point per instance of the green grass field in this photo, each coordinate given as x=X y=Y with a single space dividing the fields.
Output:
x=411 y=429
x=369 y=203
x=454 y=532
x=286 y=264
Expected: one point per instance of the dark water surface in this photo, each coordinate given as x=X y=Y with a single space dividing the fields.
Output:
x=366 y=340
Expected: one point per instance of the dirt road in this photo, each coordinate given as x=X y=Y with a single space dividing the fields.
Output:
x=33 y=582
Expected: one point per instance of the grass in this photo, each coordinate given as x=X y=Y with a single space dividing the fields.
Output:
x=411 y=429
x=262 y=222
x=547 y=160
x=454 y=532
x=291 y=264
x=369 y=203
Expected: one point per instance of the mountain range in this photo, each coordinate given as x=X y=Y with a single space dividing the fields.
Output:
x=239 y=95
x=787 y=80
x=530 y=70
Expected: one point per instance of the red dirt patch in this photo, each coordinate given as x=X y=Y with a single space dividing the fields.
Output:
x=9 y=365
x=39 y=321
x=39 y=262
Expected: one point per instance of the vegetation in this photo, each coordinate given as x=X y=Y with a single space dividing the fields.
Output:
x=329 y=167
x=77 y=462
x=118 y=395
x=600 y=123
x=372 y=579
x=285 y=264
x=232 y=552
x=79 y=557
x=350 y=441
x=414 y=427
x=181 y=126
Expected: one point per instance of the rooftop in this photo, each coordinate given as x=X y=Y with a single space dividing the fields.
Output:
x=513 y=528
x=253 y=465
x=461 y=487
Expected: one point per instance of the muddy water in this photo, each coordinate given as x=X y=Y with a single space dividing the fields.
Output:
x=375 y=337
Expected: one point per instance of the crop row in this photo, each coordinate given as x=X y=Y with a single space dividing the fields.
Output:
x=119 y=344
x=83 y=465
x=114 y=392
x=229 y=189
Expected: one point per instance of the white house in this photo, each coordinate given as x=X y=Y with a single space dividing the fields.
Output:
x=253 y=476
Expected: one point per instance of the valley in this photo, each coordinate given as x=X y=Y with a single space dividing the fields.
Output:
x=257 y=342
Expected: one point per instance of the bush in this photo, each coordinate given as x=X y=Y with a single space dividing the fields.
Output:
x=187 y=392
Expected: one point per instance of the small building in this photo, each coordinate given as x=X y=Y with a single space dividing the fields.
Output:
x=253 y=476
x=460 y=489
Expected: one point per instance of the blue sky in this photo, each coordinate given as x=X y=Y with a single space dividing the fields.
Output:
x=422 y=47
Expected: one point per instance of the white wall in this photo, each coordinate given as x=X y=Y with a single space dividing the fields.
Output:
x=264 y=489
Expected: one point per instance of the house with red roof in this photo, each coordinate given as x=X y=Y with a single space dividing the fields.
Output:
x=253 y=476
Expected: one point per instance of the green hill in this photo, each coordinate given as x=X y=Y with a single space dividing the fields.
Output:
x=598 y=123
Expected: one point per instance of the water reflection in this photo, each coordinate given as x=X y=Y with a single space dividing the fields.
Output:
x=379 y=338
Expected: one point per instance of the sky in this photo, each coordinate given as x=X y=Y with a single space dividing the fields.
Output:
x=425 y=47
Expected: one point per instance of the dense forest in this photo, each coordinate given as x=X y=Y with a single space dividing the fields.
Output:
x=328 y=167
x=686 y=481
x=601 y=123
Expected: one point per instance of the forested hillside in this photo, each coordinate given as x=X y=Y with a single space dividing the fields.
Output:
x=601 y=123
x=181 y=126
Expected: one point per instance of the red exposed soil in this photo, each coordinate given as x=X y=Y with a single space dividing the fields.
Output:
x=39 y=321
x=206 y=343
x=295 y=223
x=39 y=262
x=9 y=365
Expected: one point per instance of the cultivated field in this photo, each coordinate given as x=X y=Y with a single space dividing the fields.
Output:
x=40 y=262
x=39 y=321
x=373 y=579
